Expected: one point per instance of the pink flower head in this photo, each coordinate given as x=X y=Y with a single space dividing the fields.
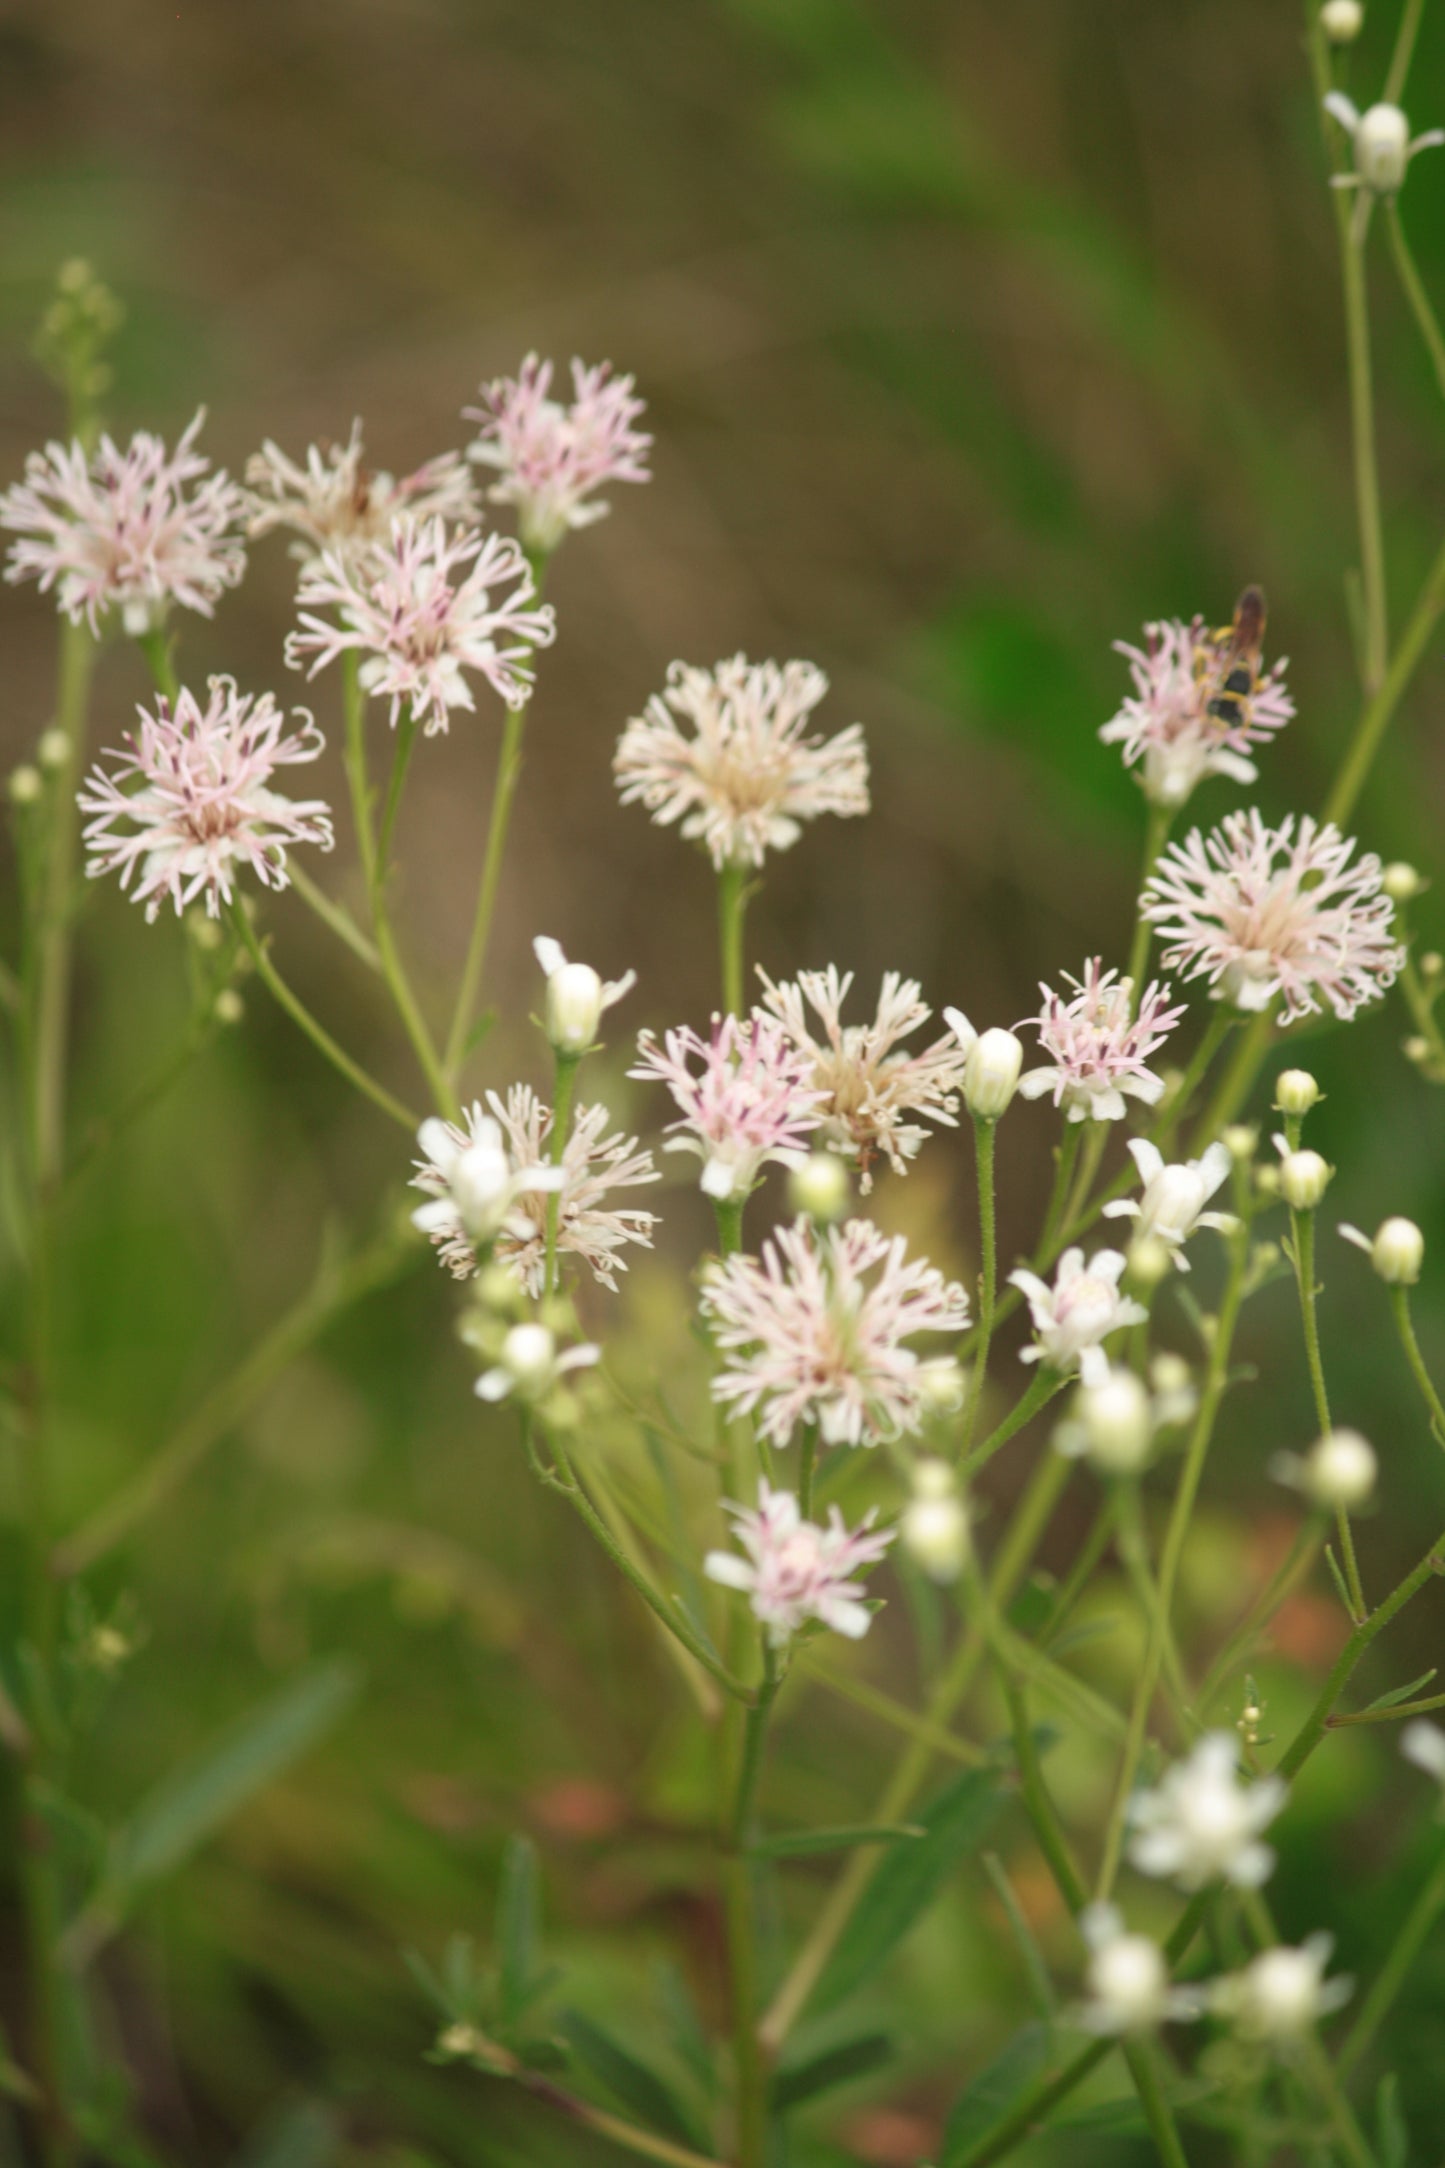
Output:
x=871 y=1086
x=205 y=803
x=808 y=1338
x=747 y=777
x=1074 y=1317
x=334 y=502
x=551 y=457
x=754 y=1099
x=589 y=1224
x=422 y=612
x=1196 y=708
x=1263 y=911
x=1097 y=1048
x=125 y=530
x=796 y=1571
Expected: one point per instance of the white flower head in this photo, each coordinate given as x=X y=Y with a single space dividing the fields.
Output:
x=749 y=775
x=334 y=502
x=1074 y=1317
x=991 y=1066
x=1175 y=1196
x=1097 y=1047
x=472 y=1184
x=529 y=1366
x=1338 y=1473
x=1280 y=1995
x=1129 y=1990
x=1383 y=146
x=871 y=1085
x=576 y=997
x=796 y=1571
x=935 y=1525
x=1202 y=1824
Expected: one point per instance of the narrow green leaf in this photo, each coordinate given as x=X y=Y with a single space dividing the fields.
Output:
x=1036 y=1972
x=987 y=2098
x=685 y=2029
x=908 y=1877
x=517 y=1929
x=631 y=2083
x=1392 y=2139
x=1403 y=1693
x=838 y=2065
x=193 y=1802
x=801 y=1843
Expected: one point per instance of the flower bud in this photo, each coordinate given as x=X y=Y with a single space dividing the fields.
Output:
x=940 y=1386
x=1382 y=149
x=228 y=1007
x=26 y=785
x=1295 y=1091
x=1303 y=1179
x=1128 y=1979
x=574 y=1008
x=991 y=1073
x=1401 y=882
x=529 y=1357
x=1397 y=1252
x=1340 y=1471
x=1240 y=1140
x=1117 y=1423
x=481 y=1184
x=1342 y=21
x=498 y=1288
x=935 y=1522
x=53 y=749
x=819 y=1187
x=1150 y=1262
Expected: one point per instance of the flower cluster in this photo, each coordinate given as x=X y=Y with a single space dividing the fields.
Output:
x=1098 y=1046
x=551 y=459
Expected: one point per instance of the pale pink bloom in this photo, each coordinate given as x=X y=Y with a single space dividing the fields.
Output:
x=809 y=1337
x=1195 y=710
x=474 y=1187
x=747 y=777
x=1175 y=1194
x=1097 y=1049
x=1263 y=911
x=871 y=1085
x=551 y=457
x=796 y=1571
x=1200 y=1824
x=334 y=502
x=594 y=1164
x=1075 y=1316
x=205 y=805
x=422 y=612
x=126 y=529
x=753 y=1100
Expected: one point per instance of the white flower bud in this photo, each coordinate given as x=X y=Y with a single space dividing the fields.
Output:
x=1397 y=1252
x=228 y=1008
x=1128 y=1981
x=497 y=1287
x=1342 y=21
x=1281 y=1994
x=991 y=1073
x=1401 y=882
x=26 y=784
x=53 y=749
x=574 y=1008
x=940 y=1385
x=1295 y=1091
x=1240 y=1140
x=1117 y=1423
x=819 y=1187
x=935 y=1522
x=529 y=1357
x=1340 y=1471
x=1150 y=1261
x=1382 y=149
x=481 y=1187
x=1303 y=1179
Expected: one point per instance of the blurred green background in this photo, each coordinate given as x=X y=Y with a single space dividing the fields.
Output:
x=972 y=337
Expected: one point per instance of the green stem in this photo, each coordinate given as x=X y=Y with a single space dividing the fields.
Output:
x=406 y=736
x=1394 y=1713
x=564 y=1071
x=334 y=916
x=1302 y=1232
x=1216 y=1031
x=755 y=1726
x=1405 y=1325
x=1042 y=1387
x=1156 y=835
x=1400 y=59
x=1379 y=711
x=728 y=1213
x=984 y=1137
x=807 y=1464
x=1237 y=1650
x=732 y=903
x=588 y=2116
x=504 y=790
x=744 y=1980
x=317 y=1033
x=1409 y=1941
x=354 y=710
x=155 y=645
x=52 y=1011
x=1415 y=292
x=1065 y=1155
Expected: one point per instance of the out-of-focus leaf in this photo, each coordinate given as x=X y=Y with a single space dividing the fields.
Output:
x=987 y=2098
x=301 y=2135
x=685 y=2029
x=1403 y=1693
x=801 y=1843
x=517 y=1929
x=630 y=2082
x=1035 y=1970
x=193 y=1802
x=837 y=2065
x=908 y=1877
x=1392 y=2139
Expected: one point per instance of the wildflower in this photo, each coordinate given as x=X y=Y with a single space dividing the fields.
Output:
x=205 y=804
x=1127 y=1978
x=934 y=1526
x=748 y=776
x=551 y=457
x=1263 y=911
x=1174 y=1198
x=1187 y=718
x=1303 y=1176
x=1380 y=137
x=1201 y=1824
x=1097 y=1049
x=796 y=1571
x=992 y=1061
x=592 y=1166
x=576 y=997
x=1337 y=1474
x=530 y=1367
x=869 y=1085
x=126 y=529
x=1424 y=1745
x=421 y=611
x=333 y=502
x=1281 y=1994
x=754 y=1100
x=1076 y=1315
x=1397 y=1251
x=808 y=1339
x=818 y=1187
x=474 y=1186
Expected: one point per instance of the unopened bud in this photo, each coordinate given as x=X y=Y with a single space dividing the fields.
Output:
x=819 y=1188
x=228 y=1007
x=1303 y=1179
x=1150 y=1262
x=497 y=1287
x=1382 y=149
x=1340 y=1471
x=1397 y=1251
x=1117 y=1423
x=529 y=1357
x=1401 y=882
x=26 y=784
x=1342 y=21
x=935 y=1522
x=53 y=749
x=1295 y=1091
x=1240 y=1140
x=574 y=1008
x=991 y=1073
x=940 y=1386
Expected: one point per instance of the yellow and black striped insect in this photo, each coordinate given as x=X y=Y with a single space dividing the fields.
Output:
x=1230 y=659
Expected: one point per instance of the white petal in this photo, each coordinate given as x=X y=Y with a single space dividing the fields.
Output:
x=548 y=954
